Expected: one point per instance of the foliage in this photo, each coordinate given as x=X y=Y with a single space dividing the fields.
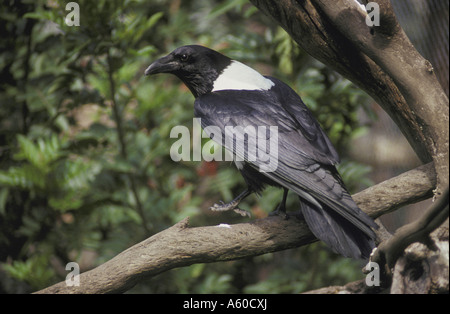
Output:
x=84 y=140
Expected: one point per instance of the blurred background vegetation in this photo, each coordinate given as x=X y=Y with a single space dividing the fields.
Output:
x=85 y=170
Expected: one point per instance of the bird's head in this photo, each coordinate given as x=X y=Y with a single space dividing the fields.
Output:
x=198 y=67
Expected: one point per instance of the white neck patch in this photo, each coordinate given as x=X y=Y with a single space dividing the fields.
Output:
x=238 y=76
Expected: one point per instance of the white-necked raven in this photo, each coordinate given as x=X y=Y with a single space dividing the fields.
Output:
x=231 y=94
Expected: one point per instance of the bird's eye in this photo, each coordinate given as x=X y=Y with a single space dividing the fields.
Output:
x=184 y=57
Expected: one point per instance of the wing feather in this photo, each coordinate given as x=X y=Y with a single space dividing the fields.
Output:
x=305 y=155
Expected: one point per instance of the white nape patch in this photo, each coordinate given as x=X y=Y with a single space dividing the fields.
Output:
x=238 y=76
x=224 y=226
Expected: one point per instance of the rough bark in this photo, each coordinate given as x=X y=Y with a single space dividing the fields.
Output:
x=389 y=195
x=180 y=245
x=382 y=61
x=421 y=270
x=356 y=287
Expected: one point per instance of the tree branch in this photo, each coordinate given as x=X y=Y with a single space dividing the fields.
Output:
x=180 y=245
x=356 y=287
x=407 y=188
x=389 y=47
x=380 y=60
x=418 y=231
x=121 y=136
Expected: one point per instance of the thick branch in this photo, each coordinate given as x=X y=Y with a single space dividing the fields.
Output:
x=356 y=287
x=418 y=231
x=180 y=245
x=407 y=188
x=381 y=60
x=389 y=47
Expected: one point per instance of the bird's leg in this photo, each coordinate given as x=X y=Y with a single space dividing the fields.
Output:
x=233 y=205
x=281 y=208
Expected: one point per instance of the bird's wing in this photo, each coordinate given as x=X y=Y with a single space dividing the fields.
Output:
x=306 y=124
x=304 y=157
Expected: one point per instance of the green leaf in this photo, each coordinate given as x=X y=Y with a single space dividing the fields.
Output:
x=225 y=7
x=34 y=270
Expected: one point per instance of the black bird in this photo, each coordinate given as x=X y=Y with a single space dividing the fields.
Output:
x=230 y=94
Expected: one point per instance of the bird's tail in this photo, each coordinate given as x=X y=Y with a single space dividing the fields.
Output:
x=337 y=232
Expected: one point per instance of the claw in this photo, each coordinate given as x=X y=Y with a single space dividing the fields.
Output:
x=242 y=212
x=280 y=213
x=222 y=206
x=233 y=205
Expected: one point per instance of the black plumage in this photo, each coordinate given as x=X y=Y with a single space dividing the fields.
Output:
x=229 y=94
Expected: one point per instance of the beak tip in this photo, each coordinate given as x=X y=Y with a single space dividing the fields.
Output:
x=162 y=65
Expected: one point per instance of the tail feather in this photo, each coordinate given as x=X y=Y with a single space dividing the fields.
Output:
x=337 y=232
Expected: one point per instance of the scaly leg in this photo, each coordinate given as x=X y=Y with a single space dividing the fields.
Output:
x=281 y=208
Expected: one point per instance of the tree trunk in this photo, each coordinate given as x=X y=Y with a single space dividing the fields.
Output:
x=382 y=61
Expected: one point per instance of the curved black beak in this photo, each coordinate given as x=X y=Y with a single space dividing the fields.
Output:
x=165 y=64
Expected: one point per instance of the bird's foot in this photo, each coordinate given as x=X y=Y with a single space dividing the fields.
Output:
x=222 y=206
x=280 y=211
x=281 y=208
x=242 y=212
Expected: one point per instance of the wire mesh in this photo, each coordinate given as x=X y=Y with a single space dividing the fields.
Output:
x=426 y=23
